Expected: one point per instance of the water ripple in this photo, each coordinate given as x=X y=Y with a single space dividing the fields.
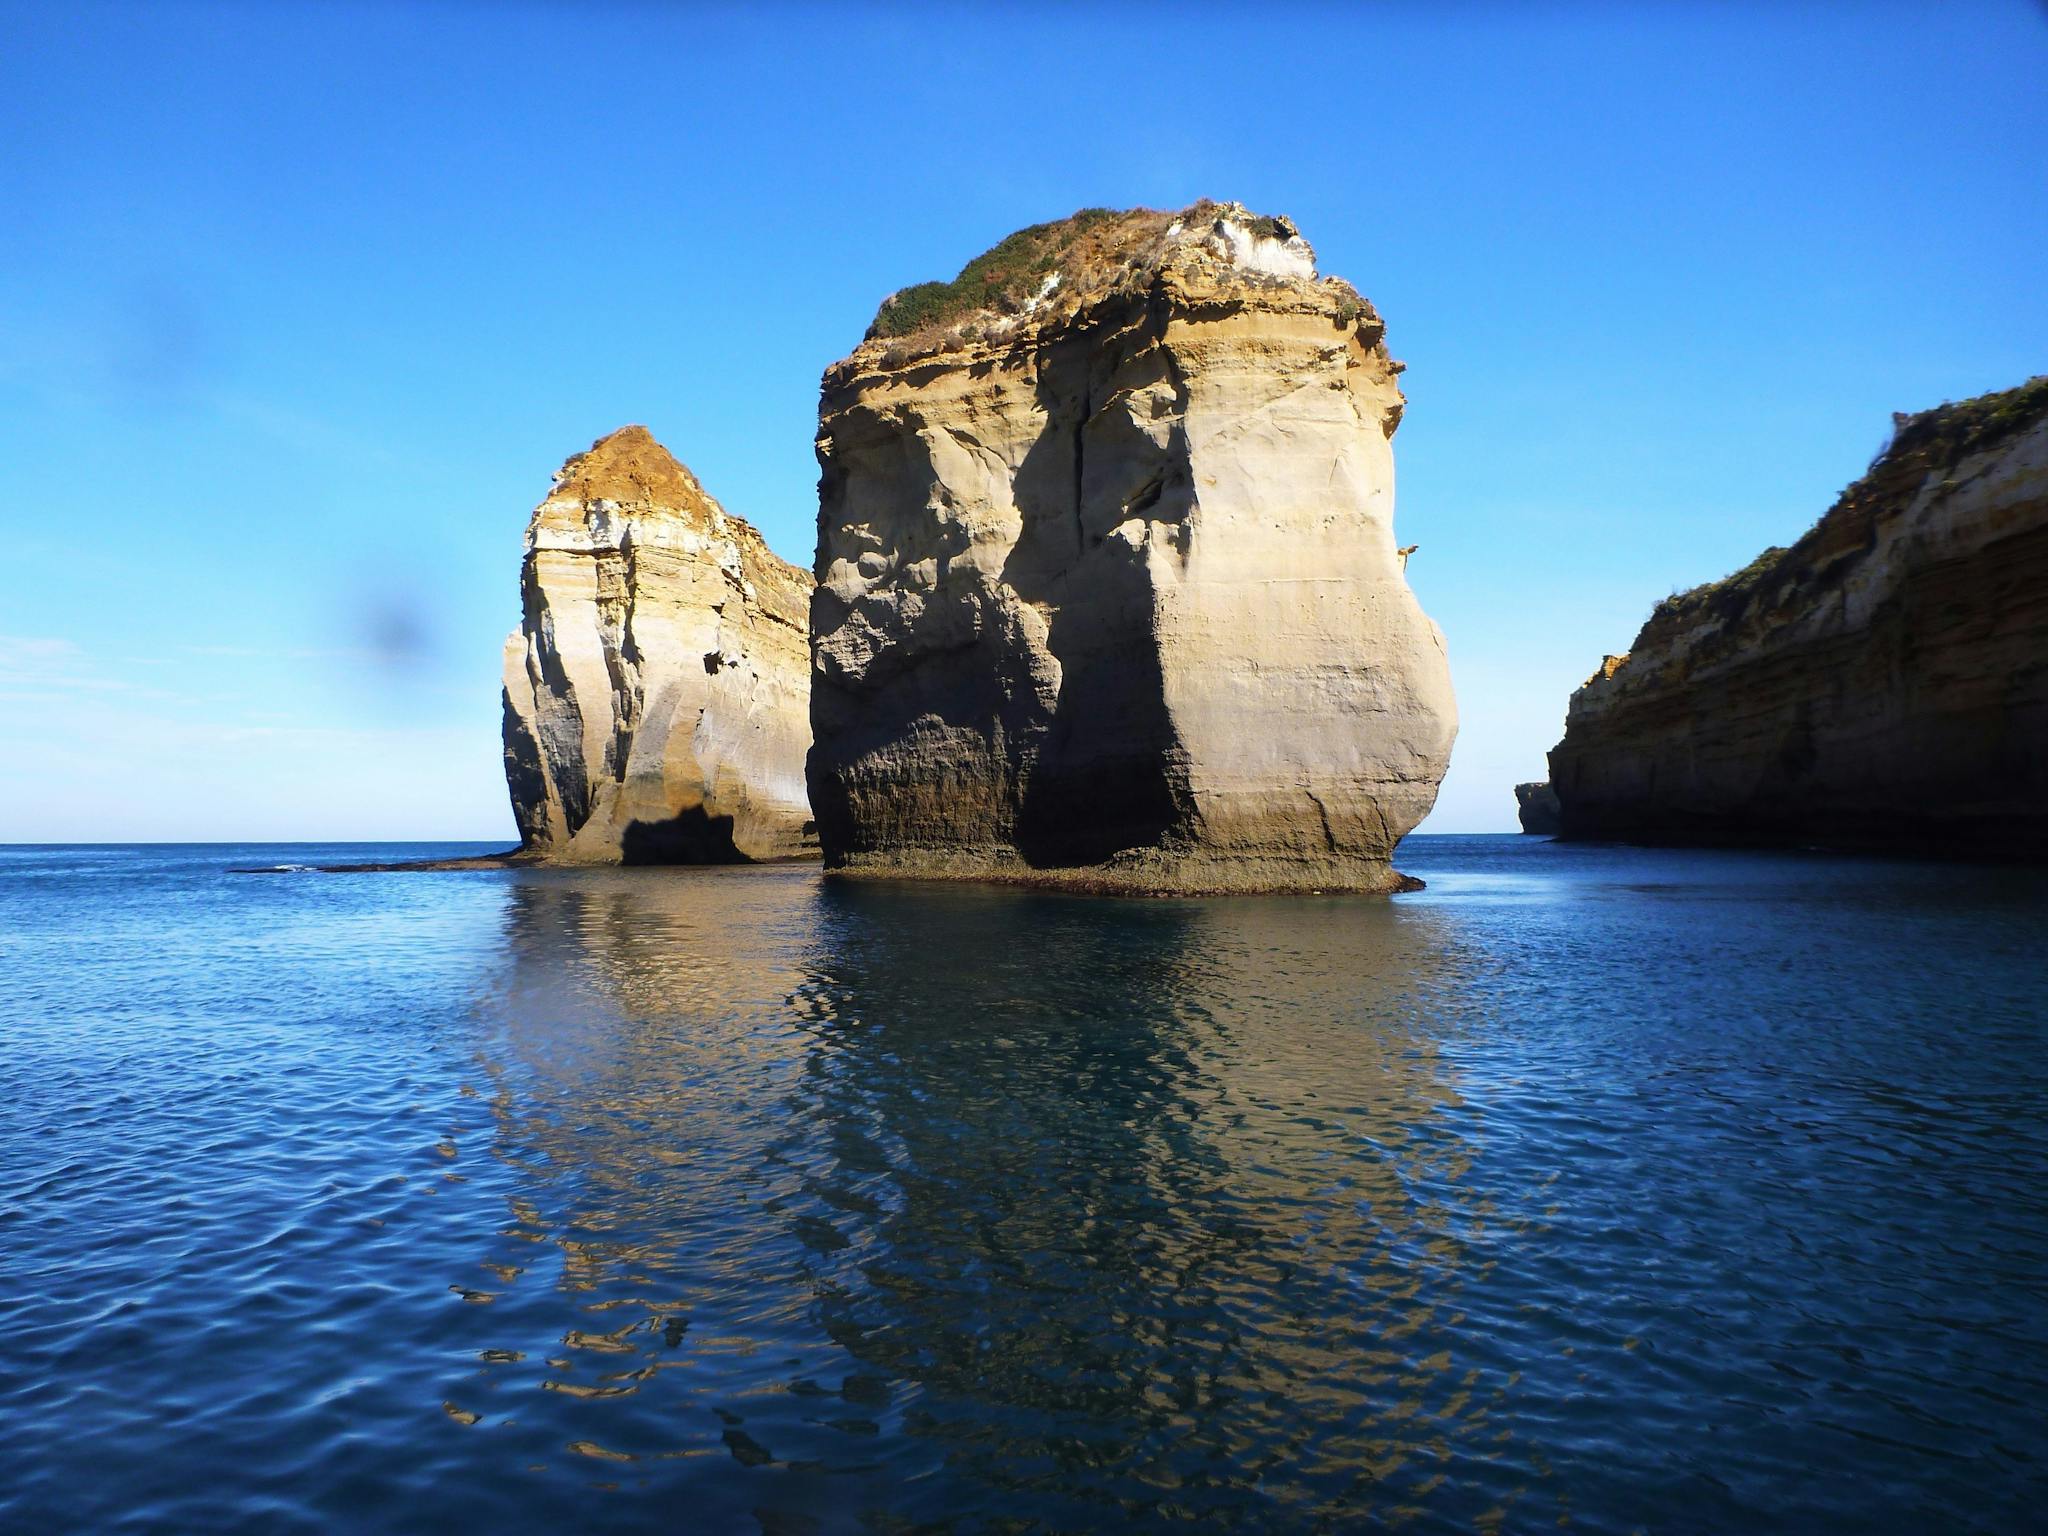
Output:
x=1596 y=1188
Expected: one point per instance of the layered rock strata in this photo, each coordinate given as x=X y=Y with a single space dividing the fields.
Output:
x=657 y=691
x=1882 y=683
x=1108 y=588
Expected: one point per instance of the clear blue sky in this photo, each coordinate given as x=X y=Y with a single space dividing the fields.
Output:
x=300 y=305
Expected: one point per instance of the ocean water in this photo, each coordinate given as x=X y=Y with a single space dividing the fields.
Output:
x=1594 y=1189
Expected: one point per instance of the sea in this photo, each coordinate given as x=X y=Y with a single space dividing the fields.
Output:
x=1589 y=1189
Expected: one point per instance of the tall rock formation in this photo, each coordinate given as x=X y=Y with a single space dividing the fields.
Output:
x=1883 y=683
x=1109 y=593
x=657 y=691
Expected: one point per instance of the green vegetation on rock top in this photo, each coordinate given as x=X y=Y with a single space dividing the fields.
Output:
x=1091 y=250
x=1951 y=430
x=1922 y=444
x=1003 y=277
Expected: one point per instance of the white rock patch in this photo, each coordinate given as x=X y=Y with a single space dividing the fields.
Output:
x=1291 y=257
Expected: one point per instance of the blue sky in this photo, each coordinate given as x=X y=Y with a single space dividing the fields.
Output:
x=300 y=305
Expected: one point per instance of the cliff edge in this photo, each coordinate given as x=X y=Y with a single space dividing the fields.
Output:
x=1882 y=683
x=657 y=690
x=1108 y=592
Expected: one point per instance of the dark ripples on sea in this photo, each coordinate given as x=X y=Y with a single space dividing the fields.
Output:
x=1622 y=1189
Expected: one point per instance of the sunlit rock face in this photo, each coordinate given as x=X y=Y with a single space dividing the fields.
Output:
x=1109 y=593
x=1882 y=683
x=657 y=689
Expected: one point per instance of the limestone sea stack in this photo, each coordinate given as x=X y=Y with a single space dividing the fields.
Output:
x=657 y=689
x=1109 y=594
x=1882 y=683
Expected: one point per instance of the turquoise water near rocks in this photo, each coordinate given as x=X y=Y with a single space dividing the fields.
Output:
x=1617 y=1189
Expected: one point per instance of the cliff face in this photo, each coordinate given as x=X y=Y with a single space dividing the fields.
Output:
x=1109 y=592
x=1882 y=683
x=657 y=691
x=1536 y=807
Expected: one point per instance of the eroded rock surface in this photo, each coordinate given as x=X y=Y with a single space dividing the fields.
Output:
x=657 y=690
x=1882 y=683
x=1109 y=592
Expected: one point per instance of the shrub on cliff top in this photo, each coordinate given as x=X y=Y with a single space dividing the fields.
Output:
x=1943 y=435
x=1003 y=277
x=1921 y=445
x=1092 y=250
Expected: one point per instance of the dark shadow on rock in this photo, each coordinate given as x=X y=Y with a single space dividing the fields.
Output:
x=572 y=780
x=935 y=670
x=1068 y=774
x=524 y=775
x=692 y=837
x=1106 y=775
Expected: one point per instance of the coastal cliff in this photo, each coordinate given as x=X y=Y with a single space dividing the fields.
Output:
x=1882 y=683
x=657 y=689
x=1536 y=808
x=1108 y=587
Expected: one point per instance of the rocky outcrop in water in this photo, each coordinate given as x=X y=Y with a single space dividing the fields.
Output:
x=1882 y=683
x=1109 y=592
x=1536 y=807
x=657 y=690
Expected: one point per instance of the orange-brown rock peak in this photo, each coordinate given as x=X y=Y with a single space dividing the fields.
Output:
x=630 y=466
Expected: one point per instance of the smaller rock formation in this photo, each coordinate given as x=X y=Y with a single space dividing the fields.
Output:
x=1109 y=591
x=1536 y=805
x=657 y=691
x=1882 y=683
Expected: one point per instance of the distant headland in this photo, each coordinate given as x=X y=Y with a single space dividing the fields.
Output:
x=1880 y=684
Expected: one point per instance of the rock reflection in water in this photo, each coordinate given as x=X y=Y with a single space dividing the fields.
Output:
x=841 y=1205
